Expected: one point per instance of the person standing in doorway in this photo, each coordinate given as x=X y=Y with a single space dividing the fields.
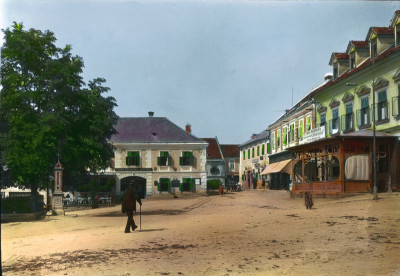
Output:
x=129 y=206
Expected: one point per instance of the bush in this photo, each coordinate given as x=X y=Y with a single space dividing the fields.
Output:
x=17 y=205
x=213 y=184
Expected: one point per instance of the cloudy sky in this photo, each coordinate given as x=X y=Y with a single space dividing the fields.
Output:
x=228 y=68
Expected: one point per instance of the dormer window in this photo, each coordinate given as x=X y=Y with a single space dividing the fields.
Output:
x=335 y=72
x=352 y=61
x=374 y=47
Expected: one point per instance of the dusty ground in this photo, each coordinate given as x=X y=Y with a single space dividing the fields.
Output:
x=247 y=233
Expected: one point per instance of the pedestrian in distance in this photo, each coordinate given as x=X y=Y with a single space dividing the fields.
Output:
x=129 y=207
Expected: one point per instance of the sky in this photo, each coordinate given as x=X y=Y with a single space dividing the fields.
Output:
x=227 y=68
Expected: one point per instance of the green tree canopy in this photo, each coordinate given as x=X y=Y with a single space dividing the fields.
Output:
x=46 y=107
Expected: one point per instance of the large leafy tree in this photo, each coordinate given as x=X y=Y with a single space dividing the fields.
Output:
x=46 y=109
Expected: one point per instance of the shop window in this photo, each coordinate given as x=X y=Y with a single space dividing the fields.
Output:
x=314 y=169
x=298 y=172
x=332 y=168
x=357 y=167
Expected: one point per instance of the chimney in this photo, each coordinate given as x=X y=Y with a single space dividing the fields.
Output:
x=188 y=129
x=328 y=76
x=151 y=113
x=253 y=136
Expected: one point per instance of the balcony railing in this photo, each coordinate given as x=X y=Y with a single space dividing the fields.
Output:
x=334 y=126
x=363 y=117
x=348 y=122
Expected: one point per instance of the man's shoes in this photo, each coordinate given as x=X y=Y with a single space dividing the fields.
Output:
x=127 y=231
x=134 y=227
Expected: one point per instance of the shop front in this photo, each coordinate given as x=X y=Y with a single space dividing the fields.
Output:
x=344 y=164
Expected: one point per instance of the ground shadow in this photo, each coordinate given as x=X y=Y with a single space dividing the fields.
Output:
x=151 y=230
x=172 y=212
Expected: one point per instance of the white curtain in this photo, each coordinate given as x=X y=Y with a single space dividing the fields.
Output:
x=357 y=167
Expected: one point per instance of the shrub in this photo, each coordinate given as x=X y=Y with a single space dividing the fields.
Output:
x=213 y=184
x=17 y=205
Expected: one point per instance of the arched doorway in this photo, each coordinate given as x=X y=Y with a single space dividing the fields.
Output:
x=139 y=182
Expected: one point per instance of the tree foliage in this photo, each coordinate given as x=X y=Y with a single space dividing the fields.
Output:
x=46 y=107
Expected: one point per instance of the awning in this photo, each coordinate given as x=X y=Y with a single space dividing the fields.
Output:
x=282 y=166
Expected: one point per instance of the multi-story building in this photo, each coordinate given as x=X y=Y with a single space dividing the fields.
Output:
x=359 y=109
x=158 y=156
x=231 y=155
x=253 y=159
x=216 y=165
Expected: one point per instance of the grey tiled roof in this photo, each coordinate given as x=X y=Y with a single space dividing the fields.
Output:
x=150 y=130
x=264 y=135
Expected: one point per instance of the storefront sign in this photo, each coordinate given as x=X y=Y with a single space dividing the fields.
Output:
x=313 y=135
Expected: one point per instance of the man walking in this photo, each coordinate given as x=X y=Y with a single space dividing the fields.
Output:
x=129 y=206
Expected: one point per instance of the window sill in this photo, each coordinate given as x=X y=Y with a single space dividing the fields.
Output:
x=348 y=131
x=381 y=122
x=364 y=126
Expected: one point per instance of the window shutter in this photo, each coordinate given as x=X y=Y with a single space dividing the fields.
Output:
x=191 y=184
x=181 y=161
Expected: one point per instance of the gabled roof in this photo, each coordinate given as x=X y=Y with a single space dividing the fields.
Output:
x=230 y=150
x=395 y=18
x=338 y=56
x=379 y=31
x=213 y=150
x=368 y=62
x=150 y=130
x=357 y=45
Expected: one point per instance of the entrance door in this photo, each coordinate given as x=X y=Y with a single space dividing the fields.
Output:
x=139 y=182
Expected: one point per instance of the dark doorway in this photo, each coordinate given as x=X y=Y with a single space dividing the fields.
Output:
x=139 y=182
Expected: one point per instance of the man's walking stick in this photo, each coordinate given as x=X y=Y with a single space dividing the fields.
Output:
x=140 y=222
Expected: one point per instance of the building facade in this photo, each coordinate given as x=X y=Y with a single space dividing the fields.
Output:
x=216 y=165
x=158 y=156
x=232 y=158
x=359 y=109
x=253 y=159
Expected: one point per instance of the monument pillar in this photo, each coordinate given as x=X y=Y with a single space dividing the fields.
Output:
x=58 y=204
